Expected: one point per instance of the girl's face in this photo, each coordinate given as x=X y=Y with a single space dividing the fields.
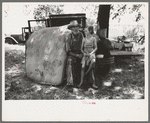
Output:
x=86 y=31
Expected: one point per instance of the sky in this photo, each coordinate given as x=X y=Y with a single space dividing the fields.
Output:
x=15 y=19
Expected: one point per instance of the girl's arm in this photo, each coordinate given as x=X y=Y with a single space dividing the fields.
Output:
x=95 y=43
x=82 y=46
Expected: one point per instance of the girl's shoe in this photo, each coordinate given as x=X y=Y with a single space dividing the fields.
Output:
x=78 y=86
x=95 y=86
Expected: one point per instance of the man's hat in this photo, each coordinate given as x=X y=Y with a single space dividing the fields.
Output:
x=73 y=23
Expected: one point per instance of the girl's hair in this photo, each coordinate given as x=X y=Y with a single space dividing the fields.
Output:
x=91 y=29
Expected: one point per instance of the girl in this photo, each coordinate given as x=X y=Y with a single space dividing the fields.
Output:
x=88 y=48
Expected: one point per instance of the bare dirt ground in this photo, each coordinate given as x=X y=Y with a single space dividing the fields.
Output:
x=124 y=82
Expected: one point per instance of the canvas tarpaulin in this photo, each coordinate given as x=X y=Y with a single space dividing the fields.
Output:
x=46 y=55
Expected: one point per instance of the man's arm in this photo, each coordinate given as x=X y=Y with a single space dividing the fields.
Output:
x=73 y=54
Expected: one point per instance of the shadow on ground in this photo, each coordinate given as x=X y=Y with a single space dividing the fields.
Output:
x=124 y=82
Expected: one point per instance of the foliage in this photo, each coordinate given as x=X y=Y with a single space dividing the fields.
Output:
x=44 y=11
x=26 y=10
x=92 y=9
x=118 y=10
x=90 y=21
x=6 y=10
x=14 y=55
x=135 y=31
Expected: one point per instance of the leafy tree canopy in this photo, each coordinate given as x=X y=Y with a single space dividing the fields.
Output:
x=43 y=11
x=118 y=10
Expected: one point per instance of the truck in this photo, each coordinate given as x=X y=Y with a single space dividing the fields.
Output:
x=51 y=21
x=18 y=38
x=56 y=20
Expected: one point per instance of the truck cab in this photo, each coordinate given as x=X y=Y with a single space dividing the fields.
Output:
x=56 y=20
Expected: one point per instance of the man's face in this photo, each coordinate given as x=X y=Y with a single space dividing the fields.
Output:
x=75 y=30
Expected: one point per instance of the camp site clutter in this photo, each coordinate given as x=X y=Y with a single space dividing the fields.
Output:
x=45 y=47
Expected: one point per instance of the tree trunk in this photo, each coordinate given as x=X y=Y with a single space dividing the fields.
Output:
x=104 y=45
x=103 y=20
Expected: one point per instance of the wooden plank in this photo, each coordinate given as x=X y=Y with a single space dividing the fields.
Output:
x=125 y=53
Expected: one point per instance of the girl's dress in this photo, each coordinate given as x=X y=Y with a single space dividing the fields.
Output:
x=88 y=47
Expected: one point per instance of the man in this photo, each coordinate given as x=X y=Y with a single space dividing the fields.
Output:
x=73 y=45
x=104 y=47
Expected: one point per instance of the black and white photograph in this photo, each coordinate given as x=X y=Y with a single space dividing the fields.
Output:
x=76 y=55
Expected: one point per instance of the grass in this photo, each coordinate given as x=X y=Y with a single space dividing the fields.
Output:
x=125 y=82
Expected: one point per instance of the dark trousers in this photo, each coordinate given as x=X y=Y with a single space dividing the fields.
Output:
x=75 y=69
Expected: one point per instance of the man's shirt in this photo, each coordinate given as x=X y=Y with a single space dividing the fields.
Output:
x=74 y=43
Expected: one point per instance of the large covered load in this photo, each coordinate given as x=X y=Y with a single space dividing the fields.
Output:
x=46 y=55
